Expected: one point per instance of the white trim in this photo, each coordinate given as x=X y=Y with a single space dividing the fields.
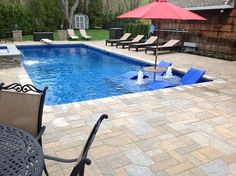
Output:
x=80 y=23
x=210 y=7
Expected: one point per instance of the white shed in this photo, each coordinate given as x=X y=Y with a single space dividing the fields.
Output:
x=80 y=21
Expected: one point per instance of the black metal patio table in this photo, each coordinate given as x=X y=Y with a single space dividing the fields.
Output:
x=20 y=153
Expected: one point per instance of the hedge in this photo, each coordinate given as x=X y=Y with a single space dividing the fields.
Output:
x=12 y=14
x=137 y=29
x=35 y=15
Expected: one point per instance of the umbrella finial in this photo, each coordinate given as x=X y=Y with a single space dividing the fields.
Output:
x=161 y=0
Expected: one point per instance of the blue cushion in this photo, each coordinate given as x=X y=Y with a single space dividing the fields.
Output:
x=163 y=64
x=192 y=76
x=158 y=85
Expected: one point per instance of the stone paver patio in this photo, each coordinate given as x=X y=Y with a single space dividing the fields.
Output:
x=182 y=131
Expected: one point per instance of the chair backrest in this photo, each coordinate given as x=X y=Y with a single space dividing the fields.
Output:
x=138 y=38
x=125 y=36
x=83 y=32
x=163 y=64
x=79 y=168
x=192 y=76
x=151 y=40
x=71 y=32
x=171 y=43
x=21 y=109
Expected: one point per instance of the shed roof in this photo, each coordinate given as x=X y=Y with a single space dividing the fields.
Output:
x=204 y=4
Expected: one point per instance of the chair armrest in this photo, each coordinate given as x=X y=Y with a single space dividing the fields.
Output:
x=85 y=161
x=40 y=133
x=79 y=168
x=60 y=159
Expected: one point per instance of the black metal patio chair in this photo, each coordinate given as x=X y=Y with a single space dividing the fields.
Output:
x=21 y=106
x=83 y=160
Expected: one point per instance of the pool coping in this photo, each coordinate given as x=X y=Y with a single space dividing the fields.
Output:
x=12 y=51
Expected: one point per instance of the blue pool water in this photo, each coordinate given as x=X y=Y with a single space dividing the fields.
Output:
x=76 y=72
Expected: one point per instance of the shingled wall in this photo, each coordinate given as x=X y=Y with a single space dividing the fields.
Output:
x=217 y=35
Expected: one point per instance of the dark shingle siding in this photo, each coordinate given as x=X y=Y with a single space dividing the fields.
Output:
x=197 y=3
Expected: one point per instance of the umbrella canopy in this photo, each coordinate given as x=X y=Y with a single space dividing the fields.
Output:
x=161 y=10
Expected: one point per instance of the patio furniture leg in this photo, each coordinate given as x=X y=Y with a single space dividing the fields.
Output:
x=45 y=170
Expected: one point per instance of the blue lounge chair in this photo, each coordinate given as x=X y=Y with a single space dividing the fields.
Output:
x=190 y=77
x=133 y=74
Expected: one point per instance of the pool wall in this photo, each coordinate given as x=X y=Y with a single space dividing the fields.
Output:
x=119 y=56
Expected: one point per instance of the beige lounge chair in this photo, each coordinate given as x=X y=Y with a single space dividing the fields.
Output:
x=84 y=34
x=47 y=41
x=71 y=34
x=150 y=42
x=123 y=38
x=137 y=39
x=170 y=45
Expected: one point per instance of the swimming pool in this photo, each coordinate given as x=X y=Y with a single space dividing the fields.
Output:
x=75 y=72
x=79 y=72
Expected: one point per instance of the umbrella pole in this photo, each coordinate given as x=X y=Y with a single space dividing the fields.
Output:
x=158 y=35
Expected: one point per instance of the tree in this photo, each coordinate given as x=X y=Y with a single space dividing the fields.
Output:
x=37 y=11
x=12 y=14
x=46 y=15
x=95 y=12
x=82 y=8
x=69 y=11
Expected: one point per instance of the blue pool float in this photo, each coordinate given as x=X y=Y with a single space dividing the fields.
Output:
x=192 y=76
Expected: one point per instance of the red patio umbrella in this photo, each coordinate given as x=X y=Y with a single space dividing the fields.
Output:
x=161 y=10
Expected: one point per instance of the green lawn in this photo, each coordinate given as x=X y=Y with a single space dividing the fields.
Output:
x=96 y=34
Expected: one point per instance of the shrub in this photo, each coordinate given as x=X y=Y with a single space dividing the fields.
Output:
x=129 y=28
x=12 y=14
x=95 y=13
x=46 y=15
x=137 y=29
x=110 y=20
x=36 y=15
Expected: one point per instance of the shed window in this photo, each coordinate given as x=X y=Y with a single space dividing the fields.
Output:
x=80 y=21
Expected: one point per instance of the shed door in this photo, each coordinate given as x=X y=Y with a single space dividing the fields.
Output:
x=80 y=21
